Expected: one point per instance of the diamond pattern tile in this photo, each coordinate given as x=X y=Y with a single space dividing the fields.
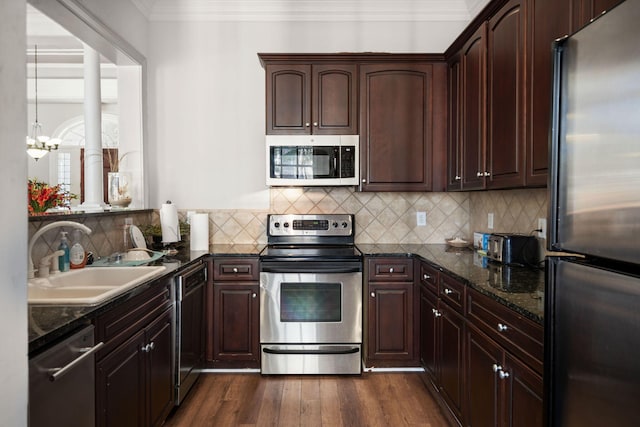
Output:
x=380 y=217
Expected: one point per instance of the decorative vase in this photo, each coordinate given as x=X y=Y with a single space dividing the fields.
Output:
x=119 y=189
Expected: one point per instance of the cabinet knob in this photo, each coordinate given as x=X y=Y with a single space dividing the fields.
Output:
x=364 y=180
x=426 y=277
x=448 y=291
x=502 y=374
x=391 y=270
x=235 y=269
x=496 y=367
x=487 y=174
x=436 y=313
x=457 y=178
x=151 y=345
x=479 y=174
x=307 y=124
x=373 y=294
x=502 y=327
x=253 y=295
x=315 y=124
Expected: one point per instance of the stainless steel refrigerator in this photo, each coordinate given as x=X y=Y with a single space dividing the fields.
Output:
x=592 y=317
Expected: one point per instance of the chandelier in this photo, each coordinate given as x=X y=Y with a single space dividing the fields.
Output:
x=38 y=145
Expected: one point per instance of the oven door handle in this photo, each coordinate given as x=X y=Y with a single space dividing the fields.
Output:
x=310 y=267
x=333 y=350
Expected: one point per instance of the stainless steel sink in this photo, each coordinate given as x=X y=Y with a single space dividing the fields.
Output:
x=88 y=286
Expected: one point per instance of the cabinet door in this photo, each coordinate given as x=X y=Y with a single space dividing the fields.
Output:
x=390 y=324
x=454 y=142
x=505 y=96
x=473 y=58
x=236 y=340
x=548 y=20
x=120 y=385
x=397 y=105
x=482 y=381
x=522 y=403
x=160 y=381
x=288 y=99
x=334 y=100
x=451 y=360
x=428 y=332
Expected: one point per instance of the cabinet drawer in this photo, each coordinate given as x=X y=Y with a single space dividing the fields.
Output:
x=235 y=269
x=118 y=324
x=517 y=334
x=390 y=269
x=452 y=292
x=429 y=277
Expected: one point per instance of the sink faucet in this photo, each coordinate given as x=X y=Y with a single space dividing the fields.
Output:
x=41 y=231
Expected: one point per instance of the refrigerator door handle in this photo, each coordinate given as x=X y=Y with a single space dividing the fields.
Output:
x=554 y=144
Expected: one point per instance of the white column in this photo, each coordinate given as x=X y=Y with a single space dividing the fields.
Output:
x=93 y=186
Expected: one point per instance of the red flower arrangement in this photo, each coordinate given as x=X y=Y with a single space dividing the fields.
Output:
x=43 y=196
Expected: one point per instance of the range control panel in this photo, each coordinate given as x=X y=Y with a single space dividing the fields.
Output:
x=310 y=225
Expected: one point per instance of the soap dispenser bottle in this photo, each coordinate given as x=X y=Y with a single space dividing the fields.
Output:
x=64 y=260
x=77 y=257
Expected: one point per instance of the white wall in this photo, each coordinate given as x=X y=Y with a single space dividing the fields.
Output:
x=13 y=215
x=207 y=106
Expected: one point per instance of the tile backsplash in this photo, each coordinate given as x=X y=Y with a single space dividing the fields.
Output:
x=388 y=217
x=380 y=217
x=514 y=211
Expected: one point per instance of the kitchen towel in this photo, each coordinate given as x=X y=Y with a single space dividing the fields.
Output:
x=169 y=223
x=199 y=231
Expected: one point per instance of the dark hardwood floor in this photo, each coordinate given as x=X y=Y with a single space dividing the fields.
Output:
x=372 y=399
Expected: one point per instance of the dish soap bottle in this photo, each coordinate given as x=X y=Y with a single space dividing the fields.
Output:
x=63 y=260
x=77 y=258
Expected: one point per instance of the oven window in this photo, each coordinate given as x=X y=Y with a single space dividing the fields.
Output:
x=310 y=302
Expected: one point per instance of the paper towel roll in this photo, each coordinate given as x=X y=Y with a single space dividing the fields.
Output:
x=169 y=223
x=200 y=232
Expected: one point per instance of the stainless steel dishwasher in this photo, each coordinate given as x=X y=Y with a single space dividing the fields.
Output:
x=62 y=383
x=190 y=342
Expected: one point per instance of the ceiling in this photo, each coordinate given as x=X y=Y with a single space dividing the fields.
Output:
x=310 y=10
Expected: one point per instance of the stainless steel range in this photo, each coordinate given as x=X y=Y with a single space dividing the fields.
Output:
x=311 y=296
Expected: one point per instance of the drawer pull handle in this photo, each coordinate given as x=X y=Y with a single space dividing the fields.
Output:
x=448 y=291
x=502 y=327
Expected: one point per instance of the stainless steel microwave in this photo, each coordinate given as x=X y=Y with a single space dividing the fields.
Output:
x=313 y=160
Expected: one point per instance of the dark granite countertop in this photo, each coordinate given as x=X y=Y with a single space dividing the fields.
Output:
x=519 y=288
x=48 y=323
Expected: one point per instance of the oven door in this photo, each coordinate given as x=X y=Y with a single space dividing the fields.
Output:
x=310 y=308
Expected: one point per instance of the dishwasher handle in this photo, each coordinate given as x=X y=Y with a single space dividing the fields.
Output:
x=57 y=373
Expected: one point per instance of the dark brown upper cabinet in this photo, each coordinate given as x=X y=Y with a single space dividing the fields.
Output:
x=548 y=20
x=467 y=114
x=403 y=126
x=506 y=36
x=304 y=99
x=586 y=10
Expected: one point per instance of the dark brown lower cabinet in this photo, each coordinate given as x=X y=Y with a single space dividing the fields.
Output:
x=442 y=349
x=135 y=380
x=390 y=325
x=501 y=390
x=236 y=325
